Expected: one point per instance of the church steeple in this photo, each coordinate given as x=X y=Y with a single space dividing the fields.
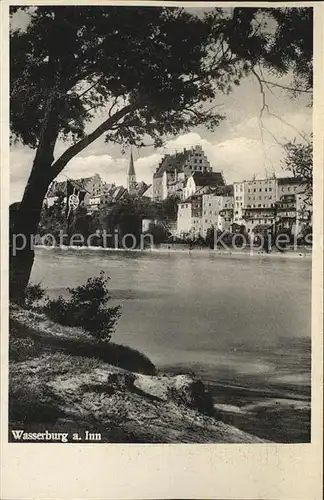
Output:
x=131 y=179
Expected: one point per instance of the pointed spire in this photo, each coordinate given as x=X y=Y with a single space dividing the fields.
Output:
x=131 y=178
x=131 y=170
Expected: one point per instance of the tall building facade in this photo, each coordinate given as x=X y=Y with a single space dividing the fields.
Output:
x=172 y=173
x=256 y=204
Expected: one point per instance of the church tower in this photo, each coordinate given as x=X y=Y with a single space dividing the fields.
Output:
x=131 y=179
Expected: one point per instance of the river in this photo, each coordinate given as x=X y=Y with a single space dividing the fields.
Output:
x=196 y=309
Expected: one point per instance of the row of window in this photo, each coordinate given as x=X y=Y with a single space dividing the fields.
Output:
x=260 y=190
x=289 y=188
x=262 y=221
x=260 y=205
x=260 y=198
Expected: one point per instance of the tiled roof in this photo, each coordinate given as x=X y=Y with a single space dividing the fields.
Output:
x=217 y=191
x=139 y=188
x=170 y=163
x=208 y=178
x=59 y=187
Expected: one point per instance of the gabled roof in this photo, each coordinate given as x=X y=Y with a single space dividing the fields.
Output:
x=139 y=188
x=170 y=163
x=60 y=187
x=208 y=179
x=217 y=191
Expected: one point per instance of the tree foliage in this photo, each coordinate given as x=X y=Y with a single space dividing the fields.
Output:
x=151 y=69
x=87 y=308
x=299 y=161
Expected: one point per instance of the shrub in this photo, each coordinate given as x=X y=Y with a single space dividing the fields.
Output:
x=34 y=293
x=86 y=308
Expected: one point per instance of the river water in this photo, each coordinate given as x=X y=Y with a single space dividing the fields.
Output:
x=234 y=318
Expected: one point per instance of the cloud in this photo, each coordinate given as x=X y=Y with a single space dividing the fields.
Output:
x=283 y=128
x=236 y=147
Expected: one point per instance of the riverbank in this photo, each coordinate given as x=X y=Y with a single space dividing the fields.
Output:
x=299 y=253
x=57 y=387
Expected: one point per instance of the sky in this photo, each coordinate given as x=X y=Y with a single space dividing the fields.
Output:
x=235 y=147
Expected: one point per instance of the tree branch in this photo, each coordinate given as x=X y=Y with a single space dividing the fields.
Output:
x=287 y=88
x=72 y=151
x=91 y=87
x=266 y=107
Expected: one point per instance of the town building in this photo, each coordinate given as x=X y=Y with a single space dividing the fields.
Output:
x=217 y=211
x=293 y=208
x=255 y=204
x=248 y=205
x=93 y=186
x=189 y=218
x=174 y=170
x=199 y=180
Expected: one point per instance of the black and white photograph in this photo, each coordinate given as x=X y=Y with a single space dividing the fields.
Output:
x=160 y=224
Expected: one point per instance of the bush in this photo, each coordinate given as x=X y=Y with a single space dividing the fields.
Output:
x=86 y=308
x=34 y=293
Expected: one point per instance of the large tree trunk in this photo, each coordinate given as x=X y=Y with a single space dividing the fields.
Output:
x=23 y=229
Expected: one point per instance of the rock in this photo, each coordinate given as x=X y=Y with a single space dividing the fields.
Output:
x=192 y=393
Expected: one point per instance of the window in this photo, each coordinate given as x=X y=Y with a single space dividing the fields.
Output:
x=266 y=189
x=254 y=190
x=249 y=190
x=259 y=205
x=270 y=197
x=260 y=190
x=270 y=189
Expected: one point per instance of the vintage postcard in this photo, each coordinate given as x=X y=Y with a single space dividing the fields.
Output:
x=161 y=250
